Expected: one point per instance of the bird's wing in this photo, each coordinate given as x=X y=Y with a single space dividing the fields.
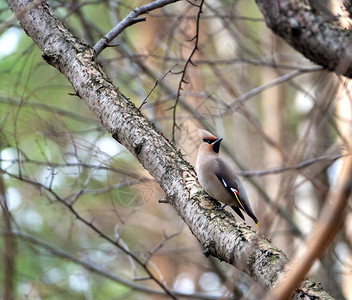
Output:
x=234 y=186
x=231 y=182
x=238 y=211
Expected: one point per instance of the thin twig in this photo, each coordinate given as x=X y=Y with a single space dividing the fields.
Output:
x=79 y=164
x=155 y=85
x=299 y=166
x=96 y=269
x=268 y=62
x=129 y=20
x=319 y=239
x=240 y=100
x=160 y=245
x=74 y=198
x=40 y=186
x=48 y=108
x=183 y=72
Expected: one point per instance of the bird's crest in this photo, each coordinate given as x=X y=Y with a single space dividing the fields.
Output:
x=206 y=135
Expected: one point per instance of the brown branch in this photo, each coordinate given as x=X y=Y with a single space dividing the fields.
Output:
x=320 y=238
x=89 y=224
x=160 y=245
x=240 y=100
x=96 y=269
x=187 y=63
x=317 y=38
x=129 y=20
x=45 y=107
x=302 y=165
x=9 y=247
x=155 y=85
x=267 y=62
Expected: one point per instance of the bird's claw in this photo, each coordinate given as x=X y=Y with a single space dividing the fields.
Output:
x=214 y=201
x=219 y=208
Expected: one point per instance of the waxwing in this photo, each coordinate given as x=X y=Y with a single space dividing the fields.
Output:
x=218 y=179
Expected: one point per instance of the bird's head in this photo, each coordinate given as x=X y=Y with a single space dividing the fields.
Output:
x=209 y=142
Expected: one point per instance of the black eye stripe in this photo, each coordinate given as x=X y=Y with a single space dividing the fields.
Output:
x=208 y=141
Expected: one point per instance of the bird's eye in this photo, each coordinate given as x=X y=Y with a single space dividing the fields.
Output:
x=207 y=141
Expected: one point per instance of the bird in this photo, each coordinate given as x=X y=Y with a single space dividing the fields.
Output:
x=218 y=179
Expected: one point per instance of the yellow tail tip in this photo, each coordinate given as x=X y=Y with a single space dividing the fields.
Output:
x=258 y=224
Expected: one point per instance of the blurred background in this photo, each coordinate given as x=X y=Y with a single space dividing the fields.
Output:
x=68 y=190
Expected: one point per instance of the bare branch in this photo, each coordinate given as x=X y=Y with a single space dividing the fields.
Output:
x=311 y=34
x=129 y=20
x=9 y=253
x=155 y=85
x=183 y=72
x=96 y=269
x=302 y=165
x=160 y=245
x=325 y=230
x=240 y=100
x=89 y=224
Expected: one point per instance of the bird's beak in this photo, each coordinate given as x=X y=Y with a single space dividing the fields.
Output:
x=216 y=145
